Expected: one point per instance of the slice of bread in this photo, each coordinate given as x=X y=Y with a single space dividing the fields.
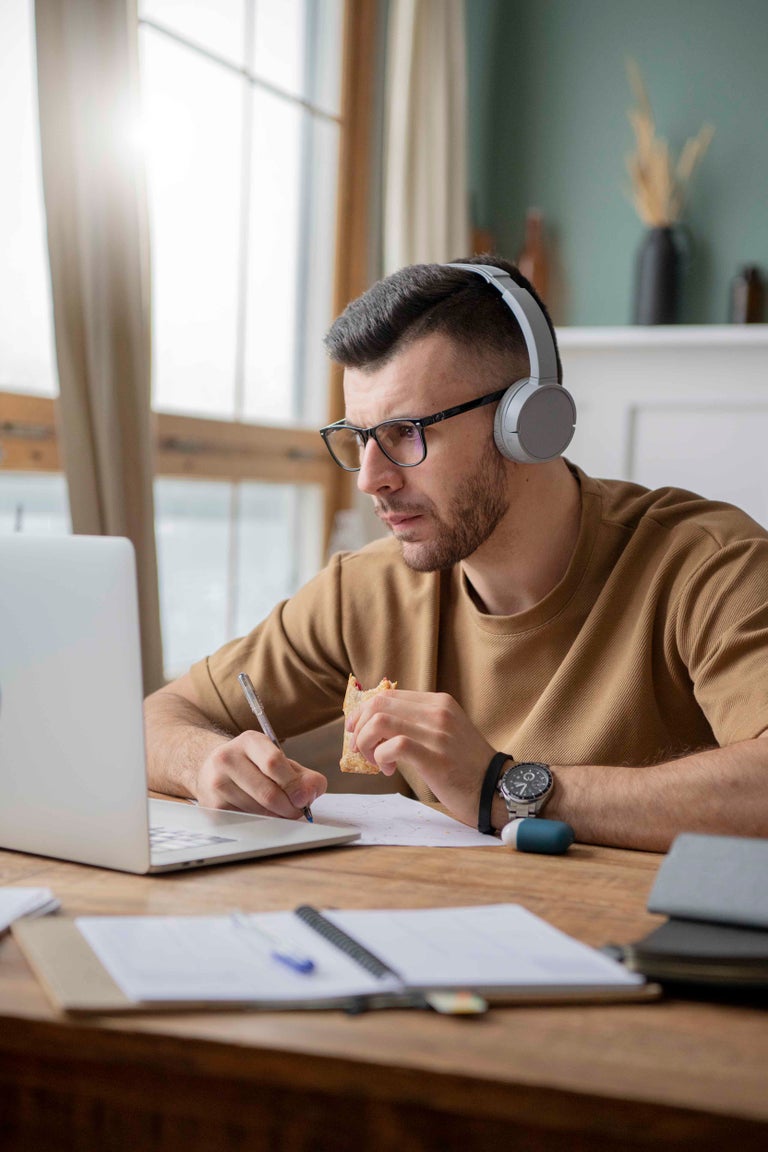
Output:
x=355 y=694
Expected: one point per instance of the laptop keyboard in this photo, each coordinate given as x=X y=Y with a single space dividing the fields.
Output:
x=163 y=839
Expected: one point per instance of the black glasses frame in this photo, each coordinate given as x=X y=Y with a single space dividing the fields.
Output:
x=419 y=423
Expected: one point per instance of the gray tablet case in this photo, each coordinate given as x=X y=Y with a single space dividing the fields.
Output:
x=720 y=879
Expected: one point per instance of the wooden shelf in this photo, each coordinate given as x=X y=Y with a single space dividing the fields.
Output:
x=665 y=336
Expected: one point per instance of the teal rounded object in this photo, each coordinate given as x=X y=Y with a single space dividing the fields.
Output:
x=531 y=834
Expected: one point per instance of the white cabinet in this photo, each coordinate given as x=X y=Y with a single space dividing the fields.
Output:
x=678 y=405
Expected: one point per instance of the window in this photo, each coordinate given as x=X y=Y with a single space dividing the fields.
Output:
x=26 y=332
x=242 y=115
x=29 y=501
x=241 y=108
x=246 y=127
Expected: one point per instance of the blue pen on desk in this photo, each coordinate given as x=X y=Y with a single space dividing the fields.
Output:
x=280 y=950
x=257 y=708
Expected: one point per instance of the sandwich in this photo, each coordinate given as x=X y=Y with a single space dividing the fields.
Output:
x=356 y=694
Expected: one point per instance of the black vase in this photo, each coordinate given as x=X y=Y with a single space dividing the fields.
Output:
x=658 y=277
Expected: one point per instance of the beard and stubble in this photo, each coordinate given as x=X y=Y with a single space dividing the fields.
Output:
x=480 y=502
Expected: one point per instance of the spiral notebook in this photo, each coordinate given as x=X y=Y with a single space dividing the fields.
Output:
x=311 y=959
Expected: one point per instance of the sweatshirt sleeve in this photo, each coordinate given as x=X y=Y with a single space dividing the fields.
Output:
x=365 y=613
x=722 y=634
x=296 y=659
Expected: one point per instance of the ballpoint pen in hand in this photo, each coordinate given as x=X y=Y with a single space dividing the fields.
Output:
x=257 y=708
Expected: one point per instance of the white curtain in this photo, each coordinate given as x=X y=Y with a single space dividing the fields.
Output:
x=425 y=217
x=87 y=61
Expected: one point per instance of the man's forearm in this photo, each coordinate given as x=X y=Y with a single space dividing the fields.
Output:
x=179 y=738
x=722 y=791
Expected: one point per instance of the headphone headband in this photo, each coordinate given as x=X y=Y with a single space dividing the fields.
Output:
x=532 y=321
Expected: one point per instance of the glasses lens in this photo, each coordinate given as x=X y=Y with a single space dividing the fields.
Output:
x=402 y=441
x=346 y=445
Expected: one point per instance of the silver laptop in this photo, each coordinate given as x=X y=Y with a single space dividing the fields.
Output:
x=72 y=768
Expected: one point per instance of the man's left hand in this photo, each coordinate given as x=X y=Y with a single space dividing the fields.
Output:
x=428 y=733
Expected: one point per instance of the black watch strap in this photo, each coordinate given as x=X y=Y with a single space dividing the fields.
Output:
x=488 y=791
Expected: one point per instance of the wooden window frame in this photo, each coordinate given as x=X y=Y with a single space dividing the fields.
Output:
x=231 y=450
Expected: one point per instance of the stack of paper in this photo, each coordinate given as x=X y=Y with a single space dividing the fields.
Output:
x=18 y=902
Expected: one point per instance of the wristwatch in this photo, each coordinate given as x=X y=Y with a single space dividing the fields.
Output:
x=525 y=788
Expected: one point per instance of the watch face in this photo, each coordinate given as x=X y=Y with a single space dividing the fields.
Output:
x=526 y=781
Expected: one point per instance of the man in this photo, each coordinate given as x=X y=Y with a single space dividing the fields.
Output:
x=618 y=637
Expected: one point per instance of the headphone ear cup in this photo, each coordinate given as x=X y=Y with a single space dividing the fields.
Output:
x=534 y=422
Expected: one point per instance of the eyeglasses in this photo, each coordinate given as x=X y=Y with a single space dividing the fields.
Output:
x=401 y=441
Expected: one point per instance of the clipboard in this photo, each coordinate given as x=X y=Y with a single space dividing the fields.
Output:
x=76 y=981
x=72 y=977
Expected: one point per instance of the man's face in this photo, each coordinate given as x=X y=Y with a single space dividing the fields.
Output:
x=445 y=508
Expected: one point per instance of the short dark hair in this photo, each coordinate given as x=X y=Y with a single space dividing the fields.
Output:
x=425 y=298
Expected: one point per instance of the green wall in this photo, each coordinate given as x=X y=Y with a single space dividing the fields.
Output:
x=548 y=97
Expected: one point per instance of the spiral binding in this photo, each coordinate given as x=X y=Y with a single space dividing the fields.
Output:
x=336 y=936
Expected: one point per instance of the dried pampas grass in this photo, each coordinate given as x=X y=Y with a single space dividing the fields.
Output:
x=658 y=185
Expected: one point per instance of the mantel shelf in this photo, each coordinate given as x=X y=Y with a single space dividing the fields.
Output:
x=664 y=336
x=673 y=405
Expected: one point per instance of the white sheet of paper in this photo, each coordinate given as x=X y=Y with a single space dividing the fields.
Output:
x=491 y=945
x=18 y=902
x=209 y=958
x=394 y=819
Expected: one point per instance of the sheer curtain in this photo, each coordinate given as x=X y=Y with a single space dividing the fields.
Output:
x=98 y=248
x=425 y=216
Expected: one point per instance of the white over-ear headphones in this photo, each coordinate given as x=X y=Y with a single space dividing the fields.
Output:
x=536 y=417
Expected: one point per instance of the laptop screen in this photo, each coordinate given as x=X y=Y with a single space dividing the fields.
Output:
x=72 y=768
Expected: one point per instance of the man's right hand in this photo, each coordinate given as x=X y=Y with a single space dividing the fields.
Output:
x=188 y=756
x=249 y=774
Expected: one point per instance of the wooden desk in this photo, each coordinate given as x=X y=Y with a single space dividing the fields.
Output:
x=671 y=1074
